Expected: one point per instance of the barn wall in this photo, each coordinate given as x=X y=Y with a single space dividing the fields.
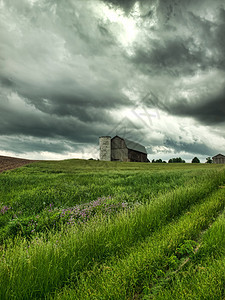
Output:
x=137 y=156
x=119 y=150
x=219 y=160
x=115 y=149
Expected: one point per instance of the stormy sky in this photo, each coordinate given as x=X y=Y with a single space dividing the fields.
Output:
x=152 y=71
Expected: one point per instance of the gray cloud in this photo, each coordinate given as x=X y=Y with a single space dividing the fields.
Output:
x=21 y=144
x=125 y=4
x=195 y=148
x=193 y=47
x=68 y=72
x=211 y=111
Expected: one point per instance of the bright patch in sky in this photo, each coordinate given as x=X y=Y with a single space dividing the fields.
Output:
x=123 y=27
x=72 y=72
x=140 y=116
x=32 y=1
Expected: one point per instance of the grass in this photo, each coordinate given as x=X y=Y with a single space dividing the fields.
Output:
x=27 y=192
x=204 y=276
x=109 y=230
x=122 y=278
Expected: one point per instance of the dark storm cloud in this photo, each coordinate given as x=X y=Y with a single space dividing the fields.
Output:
x=125 y=4
x=56 y=80
x=87 y=106
x=211 y=111
x=25 y=121
x=19 y=118
x=197 y=45
x=6 y=82
x=170 y=57
x=78 y=103
x=193 y=46
x=69 y=71
x=195 y=148
x=21 y=145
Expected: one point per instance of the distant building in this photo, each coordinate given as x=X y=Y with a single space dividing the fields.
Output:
x=218 y=159
x=121 y=149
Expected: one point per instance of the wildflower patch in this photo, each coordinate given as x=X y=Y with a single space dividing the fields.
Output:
x=53 y=218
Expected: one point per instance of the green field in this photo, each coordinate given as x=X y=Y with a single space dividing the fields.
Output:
x=79 y=229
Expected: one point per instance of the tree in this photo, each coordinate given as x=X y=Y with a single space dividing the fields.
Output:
x=176 y=160
x=158 y=161
x=208 y=160
x=195 y=160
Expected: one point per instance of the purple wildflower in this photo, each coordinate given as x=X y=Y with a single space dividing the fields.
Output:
x=4 y=209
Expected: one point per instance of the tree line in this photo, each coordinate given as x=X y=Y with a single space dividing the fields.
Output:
x=195 y=160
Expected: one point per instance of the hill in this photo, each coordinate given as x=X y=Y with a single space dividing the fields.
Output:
x=8 y=163
x=79 y=229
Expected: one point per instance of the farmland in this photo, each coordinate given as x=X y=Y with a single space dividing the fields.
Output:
x=79 y=229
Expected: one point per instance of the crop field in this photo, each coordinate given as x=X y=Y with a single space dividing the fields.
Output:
x=86 y=229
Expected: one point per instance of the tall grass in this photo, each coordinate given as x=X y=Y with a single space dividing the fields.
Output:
x=204 y=278
x=30 y=190
x=36 y=269
x=147 y=262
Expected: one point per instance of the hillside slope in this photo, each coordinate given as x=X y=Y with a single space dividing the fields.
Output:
x=8 y=163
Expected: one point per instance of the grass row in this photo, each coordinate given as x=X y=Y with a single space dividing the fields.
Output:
x=137 y=272
x=26 y=193
x=125 y=278
x=204 y=276
x=37 y=269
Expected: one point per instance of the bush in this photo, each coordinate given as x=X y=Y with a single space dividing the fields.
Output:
x=176 y=160
x=195 y=160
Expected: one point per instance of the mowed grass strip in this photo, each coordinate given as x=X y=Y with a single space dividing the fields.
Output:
x=128 y=277
x=34 y=270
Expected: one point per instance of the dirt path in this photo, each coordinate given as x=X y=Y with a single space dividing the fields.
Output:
x=8 y=163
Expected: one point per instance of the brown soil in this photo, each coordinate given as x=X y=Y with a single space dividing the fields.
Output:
x=8 y=163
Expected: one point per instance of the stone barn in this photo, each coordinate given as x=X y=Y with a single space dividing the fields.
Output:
x=218 y=159
x=121 y=149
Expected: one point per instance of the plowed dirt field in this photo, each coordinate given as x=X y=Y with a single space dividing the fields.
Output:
x=8 y=163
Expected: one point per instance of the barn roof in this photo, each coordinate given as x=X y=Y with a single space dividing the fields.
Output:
x=218 y=155
x=134 y=146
